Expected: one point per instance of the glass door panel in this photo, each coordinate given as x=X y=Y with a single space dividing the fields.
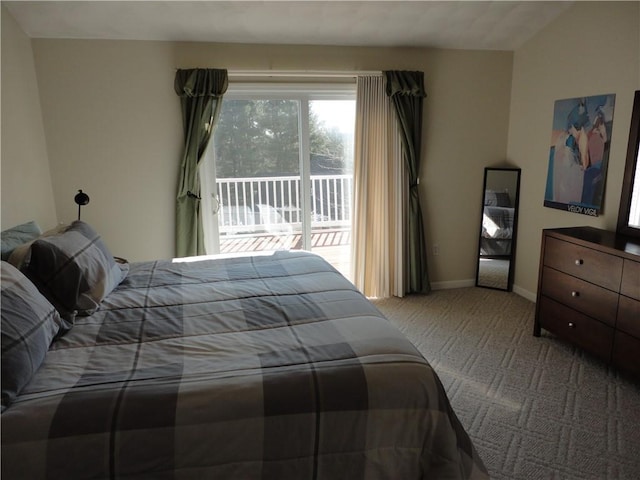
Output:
x=331 y=127
x=257 y=171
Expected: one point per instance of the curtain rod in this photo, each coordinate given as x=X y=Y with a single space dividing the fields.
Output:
x=303 y=73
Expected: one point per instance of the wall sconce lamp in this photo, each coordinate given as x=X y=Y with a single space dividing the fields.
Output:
x=81 y=199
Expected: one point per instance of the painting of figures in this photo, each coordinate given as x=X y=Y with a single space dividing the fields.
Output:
x=579 y=153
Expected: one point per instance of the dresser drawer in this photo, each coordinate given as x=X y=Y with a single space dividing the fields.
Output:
x=631 y=279
x=626 y=352
x=629 y=316
x=585 y=297
x=590 y=265
x=587 y=333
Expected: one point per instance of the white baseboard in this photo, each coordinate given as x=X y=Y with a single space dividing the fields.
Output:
x=525 y=293
x=472 y=282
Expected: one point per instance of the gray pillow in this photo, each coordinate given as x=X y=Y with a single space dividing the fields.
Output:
x=20 y=253
x=496 y=199
x=16 y=236
x=29 y=324
x=490 y=198
x=502 y=199
x=74 y=270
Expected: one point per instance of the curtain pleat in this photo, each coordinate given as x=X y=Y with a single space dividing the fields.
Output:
x=200 y=91
x=406 y=90
x=378 y=214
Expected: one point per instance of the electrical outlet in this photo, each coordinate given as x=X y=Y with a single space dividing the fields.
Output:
x=436 y=250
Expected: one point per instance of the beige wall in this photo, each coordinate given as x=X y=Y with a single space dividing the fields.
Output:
x=114 y=130
x=113 y=127
x=26 y=180
x=593 y=48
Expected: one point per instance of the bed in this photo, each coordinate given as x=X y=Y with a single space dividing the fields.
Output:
x=497 y=224
x=269 y=366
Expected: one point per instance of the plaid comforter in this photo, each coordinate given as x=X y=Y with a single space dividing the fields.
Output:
x=263 y=367
x=497 y=222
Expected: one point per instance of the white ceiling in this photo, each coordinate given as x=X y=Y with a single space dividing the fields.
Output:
x=486 y=25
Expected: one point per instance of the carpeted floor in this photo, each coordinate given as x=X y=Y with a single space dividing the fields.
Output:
x=535 y=408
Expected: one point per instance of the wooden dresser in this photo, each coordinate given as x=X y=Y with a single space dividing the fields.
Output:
x=589 y=292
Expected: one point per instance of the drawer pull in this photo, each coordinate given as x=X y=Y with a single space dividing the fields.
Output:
x=572 y=325
x=575 y=294
x=579 y=261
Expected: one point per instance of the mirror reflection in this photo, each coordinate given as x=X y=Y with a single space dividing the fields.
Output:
x=629 y=212
x=634 y=210
x=496 y=246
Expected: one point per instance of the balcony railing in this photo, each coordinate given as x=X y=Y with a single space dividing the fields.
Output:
x=272 y=204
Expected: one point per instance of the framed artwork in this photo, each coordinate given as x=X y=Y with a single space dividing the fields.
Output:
x=579 y=153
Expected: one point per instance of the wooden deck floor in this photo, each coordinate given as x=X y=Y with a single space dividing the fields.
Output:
x=333 y=245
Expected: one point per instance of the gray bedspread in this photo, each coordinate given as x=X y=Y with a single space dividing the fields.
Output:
x=497 y=222
x=262 y=367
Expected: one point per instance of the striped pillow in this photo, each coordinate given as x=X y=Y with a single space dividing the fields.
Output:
x=74 y=270
x=29 y=324
x=16 y=236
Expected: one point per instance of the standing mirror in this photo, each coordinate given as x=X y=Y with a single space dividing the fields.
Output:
x=499 y=219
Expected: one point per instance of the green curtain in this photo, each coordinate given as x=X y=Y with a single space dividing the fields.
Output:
x=407 y=93
x=200 y=91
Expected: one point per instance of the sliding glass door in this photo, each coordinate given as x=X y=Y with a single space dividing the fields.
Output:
x=279 y=170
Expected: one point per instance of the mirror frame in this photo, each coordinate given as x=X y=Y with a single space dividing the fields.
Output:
x=631 y=165
x=514 y=235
